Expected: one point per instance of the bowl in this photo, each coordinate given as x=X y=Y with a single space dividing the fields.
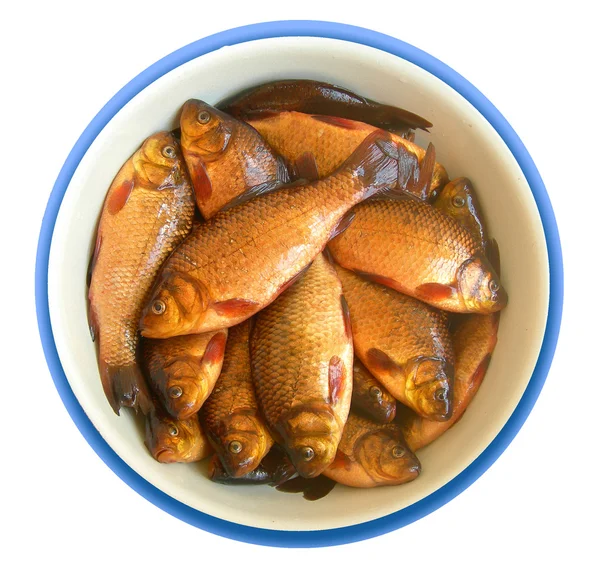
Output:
x=471 y=139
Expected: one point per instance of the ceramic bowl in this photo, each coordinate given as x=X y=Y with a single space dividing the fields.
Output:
x=471 y=139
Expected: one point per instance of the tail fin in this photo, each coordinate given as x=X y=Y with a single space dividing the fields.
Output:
x=375 y=163
x=382 y=164
x=125 y=386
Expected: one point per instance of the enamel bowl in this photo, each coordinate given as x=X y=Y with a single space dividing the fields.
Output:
x=471 y=139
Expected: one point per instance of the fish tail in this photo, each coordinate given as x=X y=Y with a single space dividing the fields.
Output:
x=375 y=163
x=125 y=386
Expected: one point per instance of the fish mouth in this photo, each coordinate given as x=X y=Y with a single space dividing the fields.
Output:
x=165 y=455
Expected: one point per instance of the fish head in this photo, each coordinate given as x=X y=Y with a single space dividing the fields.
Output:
x=479 y=286
x=170 y=440
x=386 y=458
x=205 y=131
x=176 y=305
x=429 y=387
x=456 y=199
x=184 y=386
x=311 y=438
x=158 y=163
x=242 y=442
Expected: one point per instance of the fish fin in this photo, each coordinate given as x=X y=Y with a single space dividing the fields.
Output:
x=283 y=174
x=93 y=322
x=375 y=163
x=253 y=192
x=285 y=471
x=305 y=167
x=341 y=460
x=215 y=350
x=346 y=314
x=293 y=280
x=480 y=372
x=119 y=196
x=385 y=281
x=378 y=360
x=336 y=379
x=200 y=179
x=125 y=386
x=342 y=224
x=492 y=252
x=339 y=122
x=94 y=258
x=420 y=184
x=435 y=292
x=234 y=307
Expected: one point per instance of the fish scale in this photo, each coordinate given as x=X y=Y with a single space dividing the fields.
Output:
x=292 y=345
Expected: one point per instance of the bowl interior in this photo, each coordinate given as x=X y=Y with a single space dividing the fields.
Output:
x=465 y=143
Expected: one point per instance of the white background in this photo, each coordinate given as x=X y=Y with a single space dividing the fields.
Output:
x=535 y=509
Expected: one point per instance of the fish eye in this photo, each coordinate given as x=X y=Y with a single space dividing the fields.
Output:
x=493 y=285
x=458 y=201
x=398 y=451
x=173 y=430
x=175 y=392
x=440 y=394
x=204 y=117
x=307 y=453
x=158 y=307
x=169 y=151
x=235 y=446
x=375 y=392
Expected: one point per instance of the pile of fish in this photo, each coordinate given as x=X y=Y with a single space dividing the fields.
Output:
x=289 y=282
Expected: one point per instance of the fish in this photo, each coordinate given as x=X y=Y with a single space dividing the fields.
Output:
x=240 y=260
x=403 y=342
x=474 y=342
x=314 y=97
x=369 y=397
x=217 y=473
x=328 y=141
x=225 y=157
x=412 y=247
x=231 y=416
x=459 y=201
x=372 y=454
x=301 y=354
x=182 y=371
x=311 y=488
x=147 y=212
x=170 y=440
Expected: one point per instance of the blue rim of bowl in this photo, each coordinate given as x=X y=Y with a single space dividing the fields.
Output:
x=397 y=519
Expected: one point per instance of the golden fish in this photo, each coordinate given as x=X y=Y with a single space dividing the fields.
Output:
x=230 y=416
x=404 y=343
x=372 y=454
x=301 y=353
x=170 y=440
x=329 y=141
x=225 y=157
x=370 y=397
x=240 y=260
x=410 y=246
x=474 y=341
x=183 y=370
x=147 y=212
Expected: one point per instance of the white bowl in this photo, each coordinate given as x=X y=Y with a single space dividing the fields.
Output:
x=466 y=143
